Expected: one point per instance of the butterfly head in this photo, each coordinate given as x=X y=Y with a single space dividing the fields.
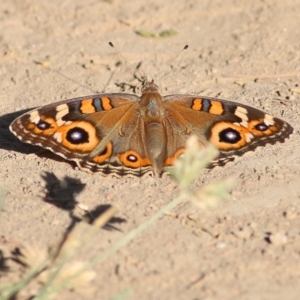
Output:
x=149 y=87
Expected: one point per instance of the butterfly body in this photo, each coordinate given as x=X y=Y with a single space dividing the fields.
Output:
x=125 y=134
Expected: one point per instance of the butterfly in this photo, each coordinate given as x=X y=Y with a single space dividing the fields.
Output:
x=125 y=134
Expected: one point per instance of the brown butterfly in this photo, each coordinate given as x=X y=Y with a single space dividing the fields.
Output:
x=126 y=134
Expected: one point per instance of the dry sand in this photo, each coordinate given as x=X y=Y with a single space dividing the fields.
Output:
x=244 y=51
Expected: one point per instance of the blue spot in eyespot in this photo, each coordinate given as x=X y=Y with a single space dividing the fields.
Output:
x=261 y=126
x=77 y=136
x=42 y=125
x=229 y=136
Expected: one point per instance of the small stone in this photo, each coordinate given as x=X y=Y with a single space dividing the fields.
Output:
x=278 y=238
x=290 y=213
x=110 y=196
x=243 y=233
x=221 y=245
x=83 y=206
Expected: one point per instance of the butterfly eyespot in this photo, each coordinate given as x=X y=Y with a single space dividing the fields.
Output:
x=133 y=160
x=230 y=135
x=77 y=135
x=261 y=126
x=42 y=125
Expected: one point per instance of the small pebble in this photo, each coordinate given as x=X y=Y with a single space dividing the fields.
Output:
x=221 y=245
x=278 y=238
x=290 y=213
x=83 y=206
x=243 y=233
x=110 y=196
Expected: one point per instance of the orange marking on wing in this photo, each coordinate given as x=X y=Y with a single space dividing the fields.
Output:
x=105 y=155
x=106 y=103
x=216 y=108
x=140 y=162
x=197 y=104
x=87 y=107
x=171 y=160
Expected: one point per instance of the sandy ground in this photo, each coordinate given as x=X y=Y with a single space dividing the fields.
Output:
x=245 y=51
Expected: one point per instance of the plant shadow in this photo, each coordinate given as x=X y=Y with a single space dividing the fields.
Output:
x=62 y=194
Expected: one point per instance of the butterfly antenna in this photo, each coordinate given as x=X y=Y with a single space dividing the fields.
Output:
x=143 y=77
x=162 y=72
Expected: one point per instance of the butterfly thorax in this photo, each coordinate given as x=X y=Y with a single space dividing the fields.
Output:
x=152 y=107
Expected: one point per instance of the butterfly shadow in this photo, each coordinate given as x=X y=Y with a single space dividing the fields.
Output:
x=3 y=262
x=62 y=194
